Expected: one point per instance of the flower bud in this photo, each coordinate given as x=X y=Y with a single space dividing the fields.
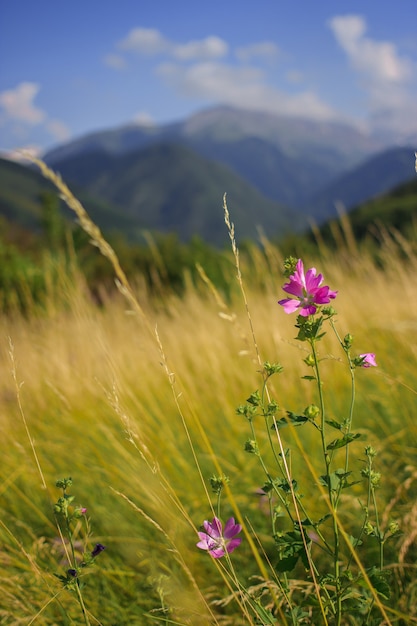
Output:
x=348 y=340
x=329 y=311
x=312 y=411
x=251 y=446
x=97 y=549
x=393 y=527
x=375 y=478
x=370 y=451
x=309 y=360
x=217 y=483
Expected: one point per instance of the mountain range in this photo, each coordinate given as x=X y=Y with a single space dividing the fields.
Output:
x=279 y=173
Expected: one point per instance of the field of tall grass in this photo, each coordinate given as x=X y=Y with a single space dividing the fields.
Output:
x=137 y=404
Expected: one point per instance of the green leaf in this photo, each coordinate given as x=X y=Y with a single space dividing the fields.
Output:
x=334 y=479
x=380 y=580
x=287 y=563
x=282 y=483
x=355 y=541
x=344 y=441
x=292 y=418
x=265 y=615
x=254 y=398
x=334 y=424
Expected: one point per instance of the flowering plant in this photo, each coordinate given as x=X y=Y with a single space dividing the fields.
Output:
x=342 y=589
x=66 y=514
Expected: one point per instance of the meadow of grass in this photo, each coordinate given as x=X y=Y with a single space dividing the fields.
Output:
x=138 y=406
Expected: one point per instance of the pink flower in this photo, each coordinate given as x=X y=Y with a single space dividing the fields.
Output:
x=218 y=542
x=368 y=360
x=307 y=290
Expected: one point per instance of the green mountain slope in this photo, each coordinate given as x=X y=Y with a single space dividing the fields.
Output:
x=21 y=189
x=376 y=176
x=170 y=187
x=396 y=209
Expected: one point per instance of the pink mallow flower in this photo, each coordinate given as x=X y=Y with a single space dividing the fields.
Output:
x=368 y=360
x=218 y=542
x=307 y=291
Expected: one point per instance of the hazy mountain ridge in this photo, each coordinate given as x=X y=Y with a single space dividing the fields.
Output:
x=377 y=176
x=276 y=171
x=164 y=188
x=171 y=188
x=288 y=160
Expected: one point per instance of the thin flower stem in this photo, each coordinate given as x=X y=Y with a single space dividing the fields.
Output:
x=327 y=461
x=218 y=503
x=378 y=529
x=268 y=475
x=351 y=407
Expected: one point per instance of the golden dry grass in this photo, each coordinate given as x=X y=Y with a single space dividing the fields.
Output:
x=137 y=404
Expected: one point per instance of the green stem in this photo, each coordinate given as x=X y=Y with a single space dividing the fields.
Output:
x=74 y=564
x=378 y=530
x=218 y=503
x=268 y=475
x=351 y=407
x=327 y=461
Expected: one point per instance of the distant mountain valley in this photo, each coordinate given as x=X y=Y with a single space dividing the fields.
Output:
x=279 y=174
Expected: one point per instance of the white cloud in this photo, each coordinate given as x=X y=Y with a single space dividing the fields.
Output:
x=208 y=48
x=148 y=41
x=386 y=77
x=116 y=61
x=143 y=119
x=378 y=59
x=151 y=42
x=58 y=130
x=18 y=103
x=241 y=86
x=21 y=115
x=263 y=49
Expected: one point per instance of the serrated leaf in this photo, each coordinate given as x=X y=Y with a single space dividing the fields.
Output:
x=343 y=441
x=380 y=581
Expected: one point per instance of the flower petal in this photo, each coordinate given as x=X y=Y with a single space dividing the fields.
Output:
x=233 y=544
x=217 y=553
x=313 y=282
x=294 y=288
x=231 y=529
x=290 y=305
x=308 y=310
x=368 y=359
x=214 y=528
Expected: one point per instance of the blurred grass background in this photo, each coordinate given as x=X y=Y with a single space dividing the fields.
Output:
x=113 y=400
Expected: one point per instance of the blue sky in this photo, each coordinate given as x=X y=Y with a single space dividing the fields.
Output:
x=68 y=68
